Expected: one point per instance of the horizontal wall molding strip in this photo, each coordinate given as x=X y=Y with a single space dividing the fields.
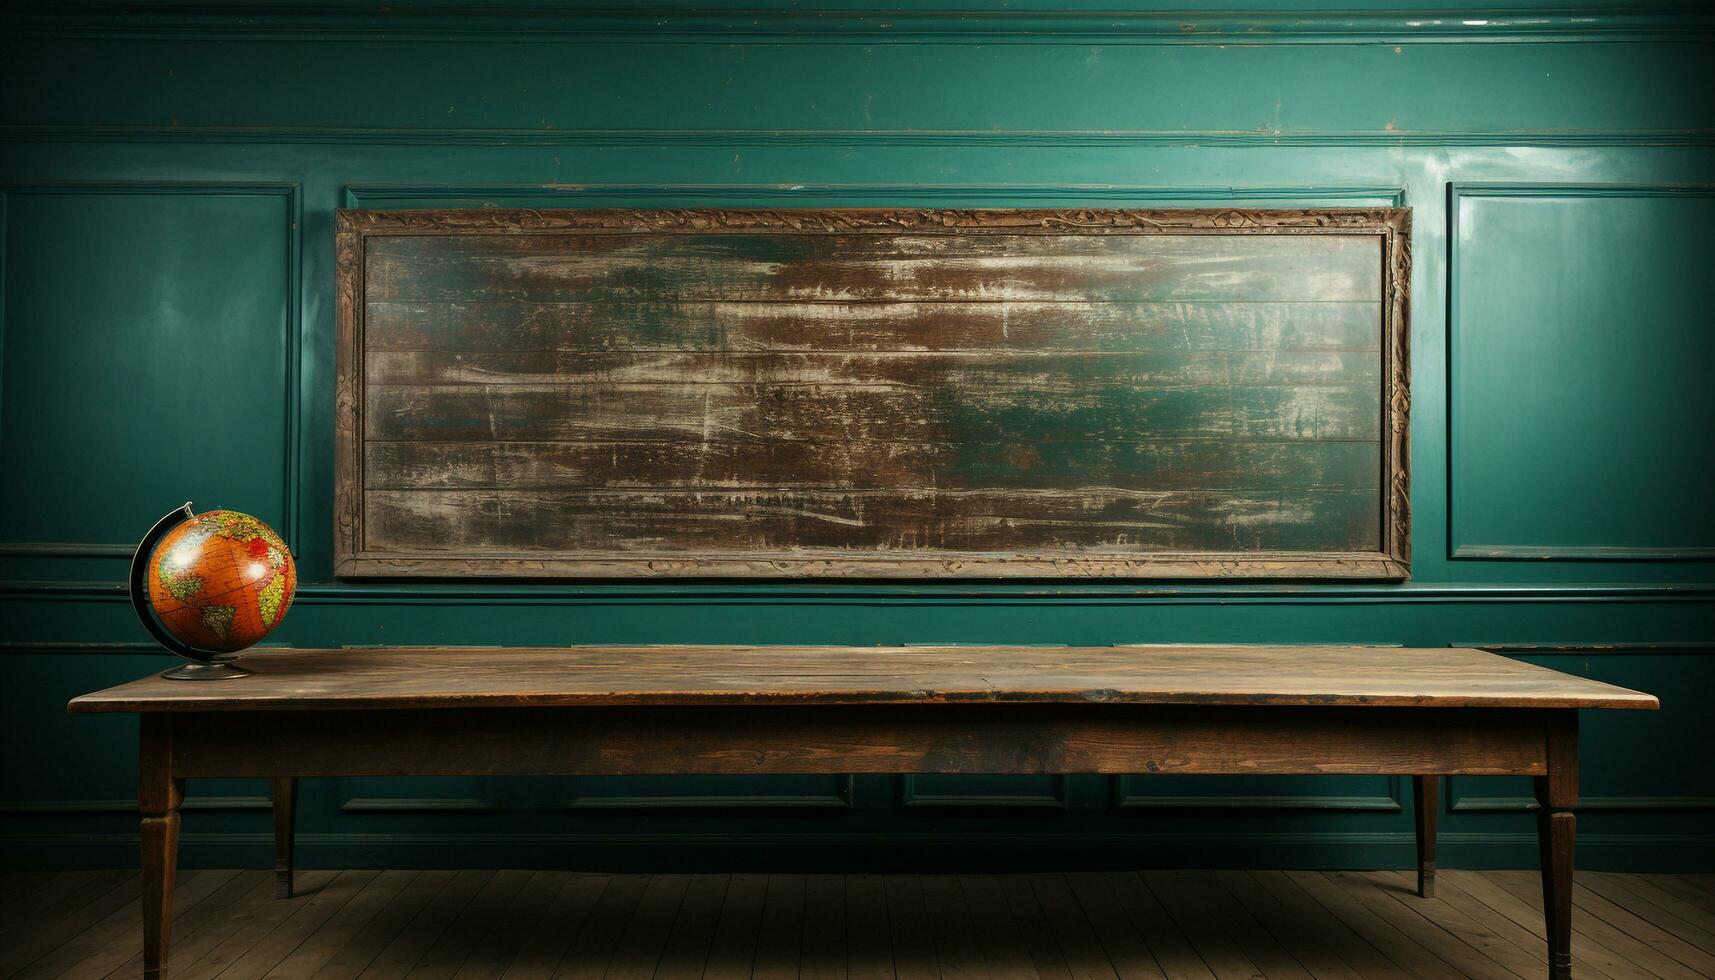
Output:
x=913 y=797
x=64 y=549
x=650 y=138
x=1550 y=189
x=1375 y=804
x=1530 y=552
x=718 y=853
x=1519 y=804
x=365 y=804
x=1587 y=649
x=1126 y=797
x=883 y=26
x=1460 y=800
x=378 y=846
x=760 y=801
x=730 y=194
x=73 y=807
x=985 y=593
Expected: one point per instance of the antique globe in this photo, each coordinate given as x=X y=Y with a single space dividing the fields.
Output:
x=209 y=585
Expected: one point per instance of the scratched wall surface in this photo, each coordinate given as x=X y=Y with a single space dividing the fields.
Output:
x=169 y=182
x=772 y=395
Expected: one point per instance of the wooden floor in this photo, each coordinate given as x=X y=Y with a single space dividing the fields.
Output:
x=1274 y=924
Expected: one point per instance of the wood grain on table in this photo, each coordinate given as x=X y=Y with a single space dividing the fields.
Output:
x=418 y=677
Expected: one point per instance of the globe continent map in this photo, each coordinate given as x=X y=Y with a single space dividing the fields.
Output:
x=221 y=581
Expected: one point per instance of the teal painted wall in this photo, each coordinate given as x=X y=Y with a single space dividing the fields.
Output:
x=169 y=184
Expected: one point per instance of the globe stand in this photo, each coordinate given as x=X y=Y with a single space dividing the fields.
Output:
x=205 y=665
x=215 y=670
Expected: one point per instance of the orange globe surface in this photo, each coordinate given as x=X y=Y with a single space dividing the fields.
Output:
x=221 y=581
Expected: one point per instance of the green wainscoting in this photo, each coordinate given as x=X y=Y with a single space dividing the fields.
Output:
x=168 y=181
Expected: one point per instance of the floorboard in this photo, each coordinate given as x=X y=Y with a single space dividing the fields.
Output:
x=42 y=937
x=1169 y=945
x=908 y=924
x=779 y=939
x=824 y=942
x=1002 y=942
x=1127 y=951
x=1182 y=898
x=1638 y=954
x=1155 y=925
x=687 y=951
x=546 y=940
x=425 y=928
x=1045 y=952
x=734 y=951
x=596 y=946
x=869 y=940
x=1314 y=953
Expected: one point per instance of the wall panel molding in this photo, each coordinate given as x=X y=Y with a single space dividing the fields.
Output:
x=1592 y=649
x=765 y=23
x=869 y=138
x=291 y=194
x=1464 y=802
x=64 y=549
x=1127 y=797
x=380 y=196
x=728 y=851
x=990 y=595
x=350 y=802
x=1530 y=552
x=1458 y=194
x=913 y=797
x=1461 y=795
x=840 y=798
x=39 y=808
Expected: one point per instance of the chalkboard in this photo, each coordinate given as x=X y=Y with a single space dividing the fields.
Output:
x=872 y=393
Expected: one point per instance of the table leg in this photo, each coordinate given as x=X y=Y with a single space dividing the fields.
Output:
x=285 y=820
x=1426 y=791
x=1556 y=825
x=158 y=797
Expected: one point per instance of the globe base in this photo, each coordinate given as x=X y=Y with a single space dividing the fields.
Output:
x=216 y=670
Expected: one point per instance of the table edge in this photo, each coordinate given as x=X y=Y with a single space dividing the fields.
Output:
x=96 y=704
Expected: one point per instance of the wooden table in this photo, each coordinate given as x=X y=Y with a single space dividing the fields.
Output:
x=780 y=709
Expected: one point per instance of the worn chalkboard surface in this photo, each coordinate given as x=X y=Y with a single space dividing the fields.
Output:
x=872 y=393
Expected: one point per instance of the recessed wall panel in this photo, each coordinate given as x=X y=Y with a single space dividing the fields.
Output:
x=1581 y=346
x=147 y=338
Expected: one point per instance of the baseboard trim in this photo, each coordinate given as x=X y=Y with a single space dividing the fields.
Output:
x=843 y=851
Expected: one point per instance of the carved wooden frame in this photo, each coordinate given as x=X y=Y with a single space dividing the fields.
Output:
x=1392 y=225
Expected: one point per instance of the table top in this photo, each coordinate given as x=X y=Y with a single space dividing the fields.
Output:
x=449 y=677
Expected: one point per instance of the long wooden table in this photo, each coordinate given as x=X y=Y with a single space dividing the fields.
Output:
x=783 y=709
